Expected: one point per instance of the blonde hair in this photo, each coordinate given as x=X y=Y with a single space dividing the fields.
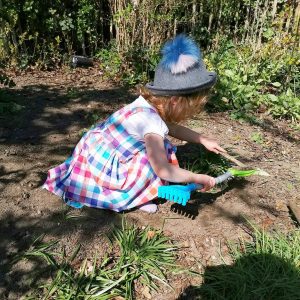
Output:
x=186 y=105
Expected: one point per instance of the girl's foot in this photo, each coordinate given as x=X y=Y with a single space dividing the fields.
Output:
x=149 y=207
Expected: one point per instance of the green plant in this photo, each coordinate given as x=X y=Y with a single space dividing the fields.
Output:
x=265 y=81
x=146 y=255
x=72 y=93
x=245 y=117
x=266 y=268
x=38 y=250
x=130 y=68
x=88 y=282
x=257 y=137
x=7 y=105
x=110 y=62
x=42 y=33
x=286 y=104
x=46 y=32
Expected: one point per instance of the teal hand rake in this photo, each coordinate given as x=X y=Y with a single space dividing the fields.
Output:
x=181 y=193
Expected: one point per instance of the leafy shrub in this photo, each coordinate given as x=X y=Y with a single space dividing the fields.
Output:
x=130 y=68
x=110 y=62
x=265 y=81
x=47 y=32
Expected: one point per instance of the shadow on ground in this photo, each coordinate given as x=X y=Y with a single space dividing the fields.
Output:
x=215 y=165
x=50 y=109
x=43 y=134
x=88 y=227
x=266 y=123
x=259 y=276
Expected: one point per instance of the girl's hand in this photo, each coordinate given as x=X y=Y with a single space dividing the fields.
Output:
x=208 y=182
x=211 y=145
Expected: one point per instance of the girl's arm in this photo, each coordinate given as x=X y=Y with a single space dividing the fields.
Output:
x=158 y=159
x=185 y=134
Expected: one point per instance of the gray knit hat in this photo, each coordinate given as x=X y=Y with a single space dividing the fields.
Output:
x=181 y=70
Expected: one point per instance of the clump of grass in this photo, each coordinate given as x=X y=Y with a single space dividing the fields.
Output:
x=145 y=256
x=87 y=282
x=267 y=268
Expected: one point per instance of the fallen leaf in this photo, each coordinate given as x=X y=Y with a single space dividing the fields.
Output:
x=150 y=234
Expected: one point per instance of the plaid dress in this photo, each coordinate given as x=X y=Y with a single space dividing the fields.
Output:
x=109 y=168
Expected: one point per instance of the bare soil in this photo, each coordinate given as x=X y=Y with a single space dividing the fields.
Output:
x=57 y=106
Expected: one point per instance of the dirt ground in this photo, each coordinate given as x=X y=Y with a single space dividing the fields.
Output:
x=57 y=106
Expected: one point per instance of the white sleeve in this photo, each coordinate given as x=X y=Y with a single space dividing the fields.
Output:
x=142 y=123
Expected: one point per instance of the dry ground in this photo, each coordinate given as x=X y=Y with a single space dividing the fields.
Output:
x=57 y=107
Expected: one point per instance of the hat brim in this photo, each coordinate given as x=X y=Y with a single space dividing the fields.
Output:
x=212 y=78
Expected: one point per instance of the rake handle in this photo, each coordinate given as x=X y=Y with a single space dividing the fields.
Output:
x=194 y=186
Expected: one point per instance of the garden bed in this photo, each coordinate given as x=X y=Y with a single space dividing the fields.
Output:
x=57 y=106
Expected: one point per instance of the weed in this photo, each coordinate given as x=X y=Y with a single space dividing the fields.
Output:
x=295 y=126
x=94 y=118
x=257 y=137
x=70 y=214
x=6 y=80
x=72 y=93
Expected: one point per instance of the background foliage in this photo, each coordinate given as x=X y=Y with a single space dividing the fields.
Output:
x=252 y=44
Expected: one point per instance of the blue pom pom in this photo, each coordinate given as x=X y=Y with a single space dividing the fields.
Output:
x=181 y=44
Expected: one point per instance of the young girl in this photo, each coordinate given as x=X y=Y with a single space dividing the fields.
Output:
x=120 y=163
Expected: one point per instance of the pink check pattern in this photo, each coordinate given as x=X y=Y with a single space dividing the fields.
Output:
x=109 y=168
